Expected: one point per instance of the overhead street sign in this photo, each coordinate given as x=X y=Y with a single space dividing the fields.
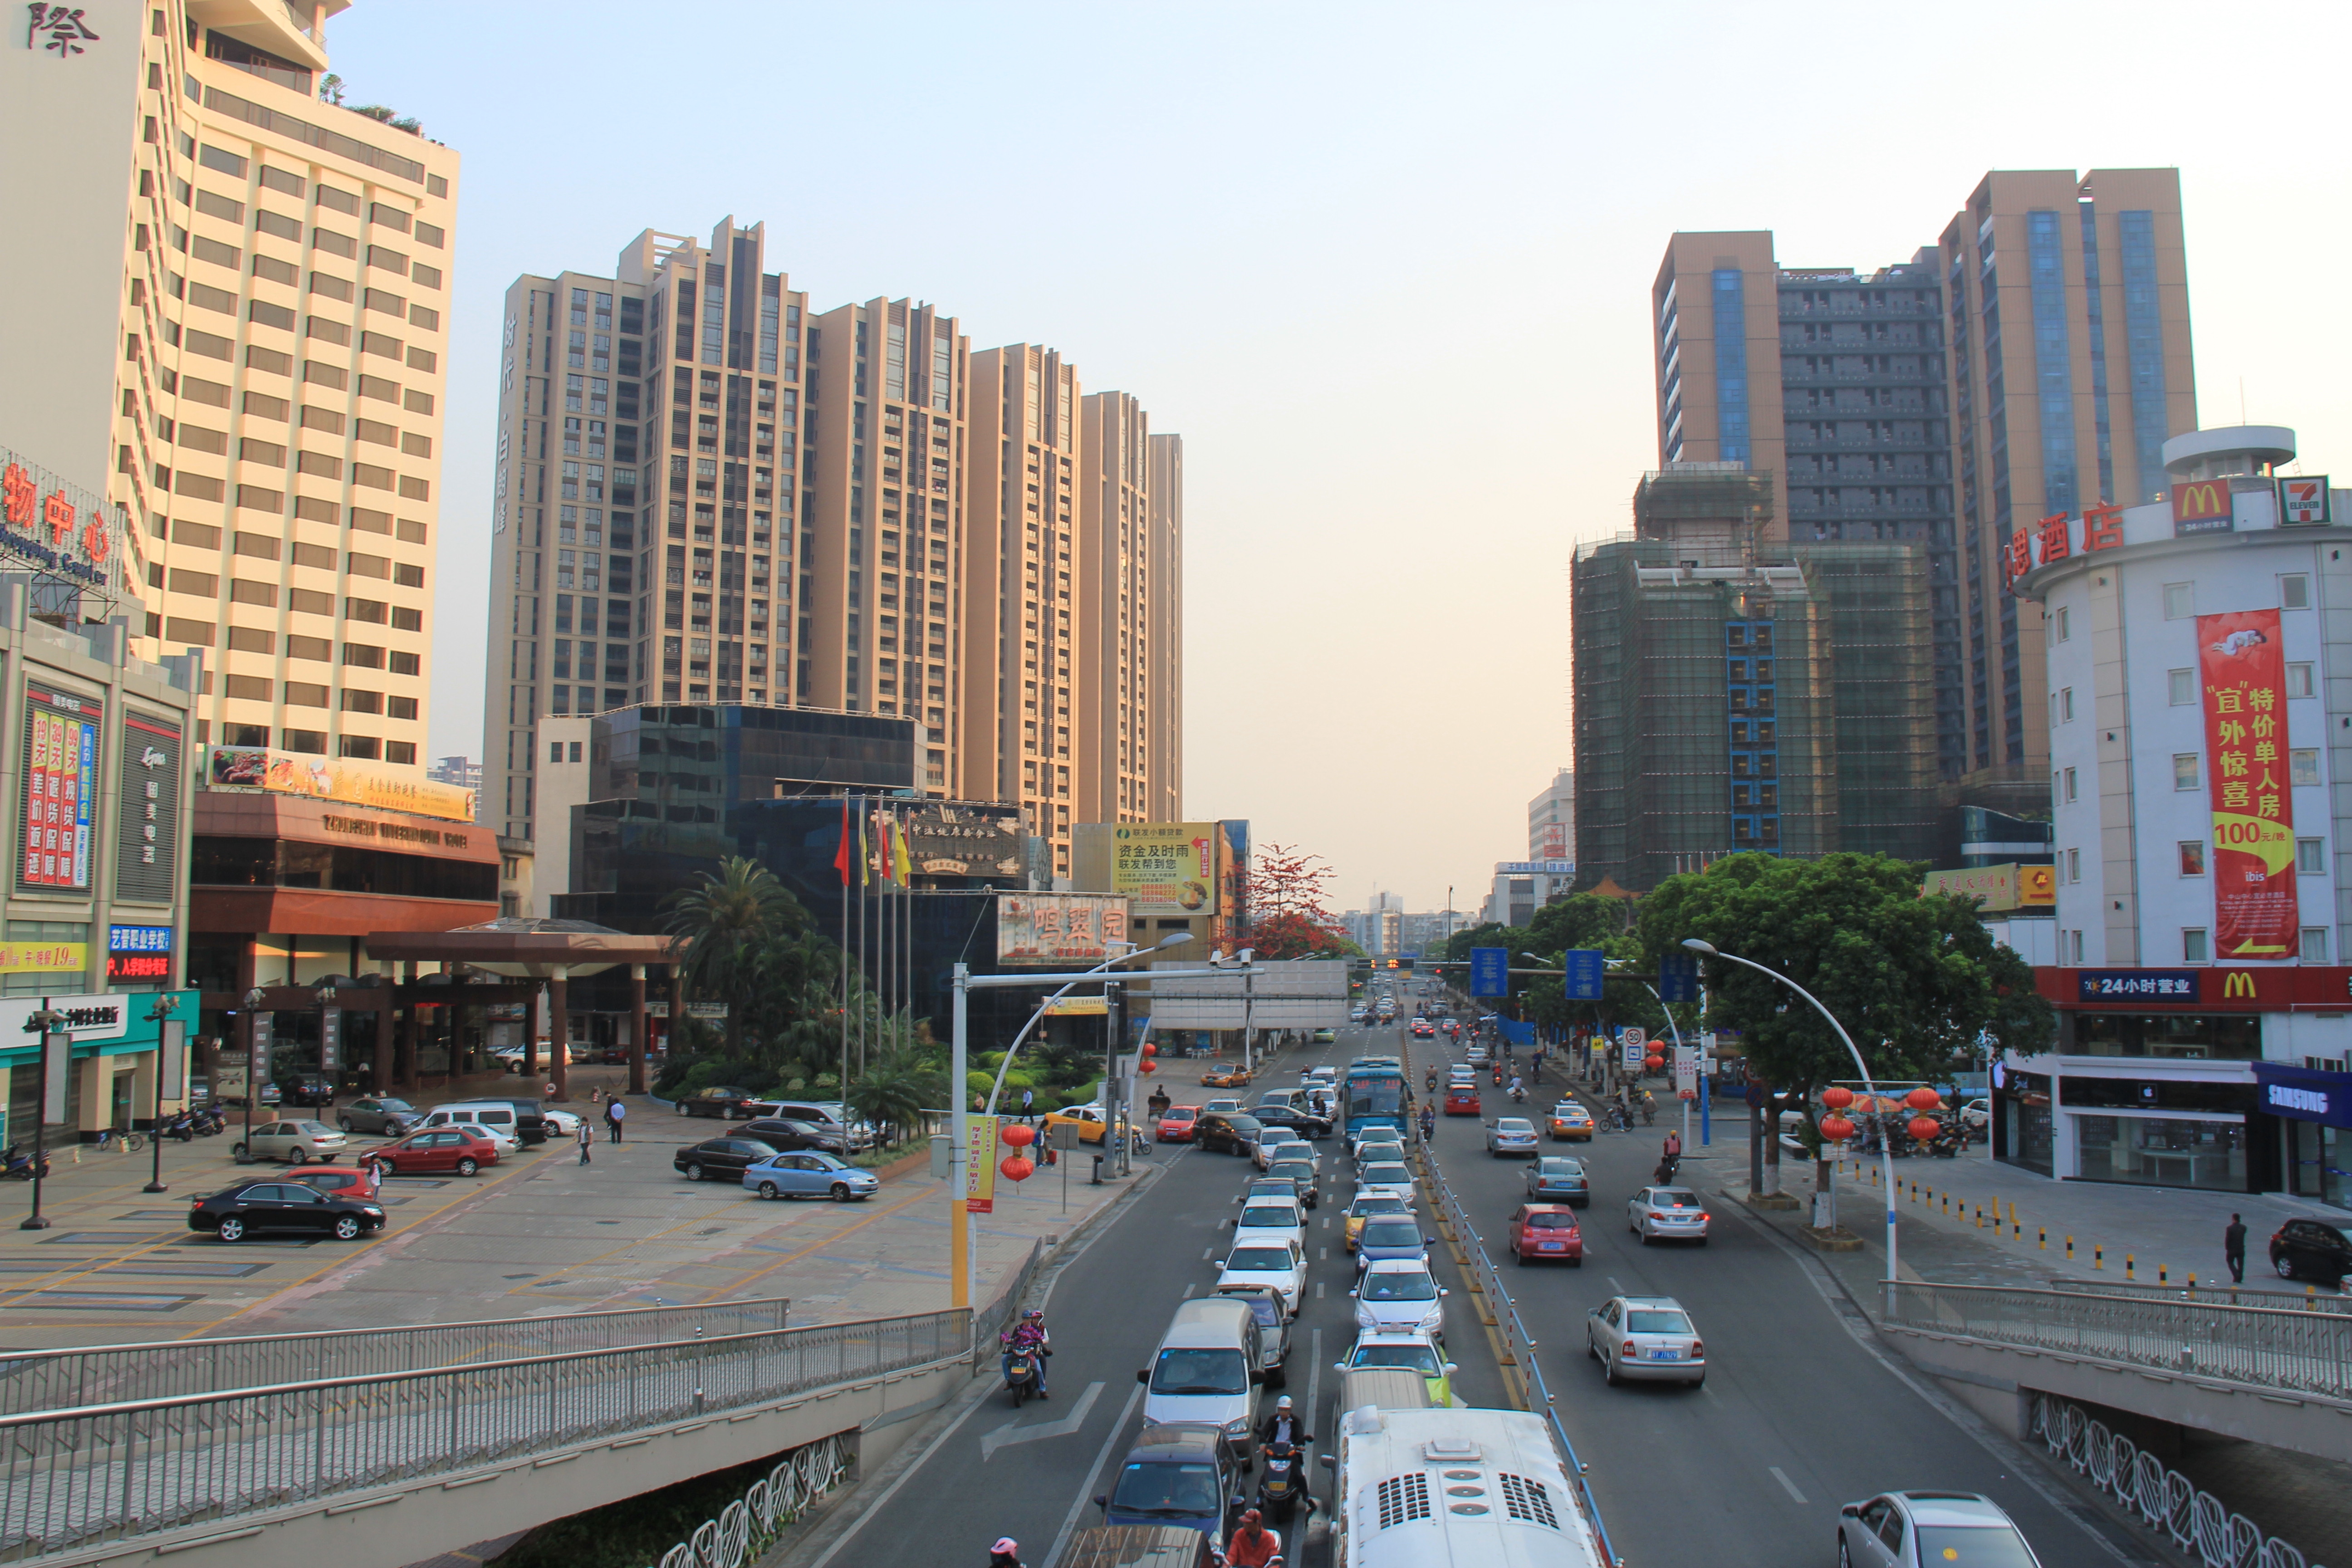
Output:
x=1585 y=971
x=1490 y=972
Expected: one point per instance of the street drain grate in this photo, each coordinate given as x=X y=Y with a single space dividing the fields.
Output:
x=522 y=1275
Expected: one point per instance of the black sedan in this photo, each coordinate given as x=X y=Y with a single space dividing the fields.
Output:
x=306 y=1088
x=2313 y=1250
x=1226 y=1132
x=253 y=1208
x=786 y=1136
x=721 y=1159
x=1305 y=1123
x=721 y=1100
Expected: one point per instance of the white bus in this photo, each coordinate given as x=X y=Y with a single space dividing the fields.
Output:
x=1455 y=1488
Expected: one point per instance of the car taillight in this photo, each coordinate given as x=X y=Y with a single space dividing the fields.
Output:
x=1698 y=1350
x=1627 y=1348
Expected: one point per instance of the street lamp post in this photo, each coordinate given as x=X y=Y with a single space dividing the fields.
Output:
x=253 y=1001
x=44 y=1024
x=1885 y=1154
x=171 y=1079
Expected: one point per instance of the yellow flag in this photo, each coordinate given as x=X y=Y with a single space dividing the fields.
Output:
x=905 y=867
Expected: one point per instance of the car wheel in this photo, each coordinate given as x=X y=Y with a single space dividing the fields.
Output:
x=347 y=1227
x=1519 y=1257
x=841 y=1192
x=469 y=1165
x=2285 y=1265
x=1647 y=1238
x=768 y=1189
x=1845 y=1557
x=1609 y=1369
x=1590 y=1348
x=385 y=1167
x=1576 y=1262
x=298 y=1156
x=345 y=1124
x=1699 y=1382
x=232 y=1229
x=237 y=1149
x=693 y=1172
x=1278 y=1376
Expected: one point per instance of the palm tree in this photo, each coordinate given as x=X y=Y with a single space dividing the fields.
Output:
x=891 y=1095
x=726 y=918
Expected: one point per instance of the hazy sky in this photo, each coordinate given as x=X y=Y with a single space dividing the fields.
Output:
x=1384 y=267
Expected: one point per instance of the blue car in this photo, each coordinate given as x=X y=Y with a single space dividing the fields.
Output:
x=807 y=1173
x=1389 y=1236
x=1179 y=1473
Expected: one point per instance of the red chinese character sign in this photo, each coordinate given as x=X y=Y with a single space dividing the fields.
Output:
x=57 y=527
x=2244 y=669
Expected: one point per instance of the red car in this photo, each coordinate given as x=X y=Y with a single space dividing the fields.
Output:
x=359 y=1182
x=1176 y=1123
x=1540 y=1231
x=1460 y=1101
x=436 y=1149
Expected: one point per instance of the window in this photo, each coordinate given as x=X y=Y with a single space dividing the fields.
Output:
x=2192 y=945
x=2192 y=856
x=2065 y=624
x=2180 y=687
x=2304 y=766
x=2075 y=943
x=2310 y=855
x=555 y=750
x=2179 y=601
x=2074 y=865
x=2184 y=770
x=2298 y=680
x=2314 y=944
x=2294 y=591
x=2066 y=783
x=2065 y=705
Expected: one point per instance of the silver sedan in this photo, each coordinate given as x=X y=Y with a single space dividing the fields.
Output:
x=1512 y=1136
x=1671 y=1212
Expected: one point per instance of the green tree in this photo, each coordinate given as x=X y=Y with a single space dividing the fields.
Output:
x=894 y=1091
x=727 y=919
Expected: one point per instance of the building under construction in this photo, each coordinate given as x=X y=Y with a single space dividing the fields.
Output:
x=1735 y=692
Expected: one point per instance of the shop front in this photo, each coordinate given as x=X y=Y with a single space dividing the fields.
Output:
x=2313 y=1112
x=114 y=1059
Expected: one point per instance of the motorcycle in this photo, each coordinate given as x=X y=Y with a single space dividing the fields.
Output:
x=1281 y=1487
x=211 y=1122
x=181 y=1127
x=1668 y=1168
x=1948 y=1145
x=1020 y=1375
x=1519 y=1096
x=20 y=1166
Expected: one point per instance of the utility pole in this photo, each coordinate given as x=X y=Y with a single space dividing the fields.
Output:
x=1113 y=1088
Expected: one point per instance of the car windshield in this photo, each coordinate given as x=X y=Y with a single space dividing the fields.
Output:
x=1415 y=1358
x=1200 y=1372
x=1268 y=1216
x=1392 y=1233
x=1640 y=1321
x=1675 y=1198
x=1376 y=1097
x=1387 y=1173
x=1548 y=1169
x=1401 y=1284
x=1175 y=1489
x=1258 y=1260
x=1981 y=1546
x=1551 y=1222
x=1292 y=1170
x=1265 y=1308
x=1515 y=1124
x=1247 y=1126
x=1383 y=1204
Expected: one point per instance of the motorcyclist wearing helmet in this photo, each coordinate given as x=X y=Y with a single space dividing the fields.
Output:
x=1252 y=1545
x=1284 y=1426
x=1029 y=1335
x=1005 y=1553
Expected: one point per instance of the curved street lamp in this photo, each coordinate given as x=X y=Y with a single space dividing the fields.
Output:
x=1885 y=1153
x=1175 y=939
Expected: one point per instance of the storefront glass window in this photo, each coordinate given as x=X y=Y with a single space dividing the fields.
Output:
x=2185 y=1036
x=2164 y=1151
x=2316 y=1155
x=2029 y=1129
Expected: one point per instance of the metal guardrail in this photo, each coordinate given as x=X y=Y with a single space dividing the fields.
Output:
x=2288 y=1351
x=75 y=1478
x=2211 y=1295
x=989 y=1321
x=35 y=1381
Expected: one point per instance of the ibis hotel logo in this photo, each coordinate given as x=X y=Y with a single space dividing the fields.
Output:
x=2202 y=506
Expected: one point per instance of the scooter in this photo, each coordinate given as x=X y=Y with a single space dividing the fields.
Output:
x=1281 y=1487
x=1668 y=1168
x=1020 y=1375
x=20 y=1166
x=1519 y=1096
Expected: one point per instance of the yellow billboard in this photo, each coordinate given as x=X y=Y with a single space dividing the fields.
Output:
x=44 y=957
x=338 y=778
x=2007 y=886
x=1166 y=868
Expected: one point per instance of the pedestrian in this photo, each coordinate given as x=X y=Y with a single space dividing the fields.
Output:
x=2234 y=1249
x=585 y=1134
x=1028 y=1105
x=615 y=1112
x=1674 y=1145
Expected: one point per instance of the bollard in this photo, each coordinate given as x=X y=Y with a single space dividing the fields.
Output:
x=2193 y=1281
x=1981 y=1216
x=2127 y=1265
x=2016 y=1231
x=2098 y=1255
x=2069 y=1249
x=2040 y=1238
x=2160 y=1279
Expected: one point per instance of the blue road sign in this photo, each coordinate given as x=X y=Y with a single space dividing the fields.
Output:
x=1678 y=977
x=1584 y=974
x=1490 y=972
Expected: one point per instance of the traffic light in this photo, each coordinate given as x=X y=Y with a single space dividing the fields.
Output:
x=1392 y=963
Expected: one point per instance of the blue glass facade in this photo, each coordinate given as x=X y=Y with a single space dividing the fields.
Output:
x=2098 y=312
x=1732 y=408
x=2143 y=347
x=1753 y=716
x=2053 y=369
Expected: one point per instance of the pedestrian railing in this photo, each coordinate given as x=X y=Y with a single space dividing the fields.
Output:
x=71 y=1479
x=2287 y=1350
x=990 y=1321
x=35 y=1380
x=2212 y=1294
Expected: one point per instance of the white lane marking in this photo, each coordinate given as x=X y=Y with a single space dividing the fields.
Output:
x=846 y=1536
x=1189 y=1288
x=1207 y=1253
x=1319 y=1290
x=1295 y=1537
x=1323 y=1255
x=1781 y=1476
x=1070 y=1519
x=1615 y=1287
x=1013 y=1432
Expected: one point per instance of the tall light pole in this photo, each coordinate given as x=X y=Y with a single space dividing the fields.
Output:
x=253 y=1001
x=1885 y=1153
x=171 y=1076
x=48 y=1025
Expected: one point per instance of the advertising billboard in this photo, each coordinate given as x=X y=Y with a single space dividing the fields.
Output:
x=961 y=840
x=338 y=778
x=2303 y=500
x=2202 y=505
x=1165 y=867
x=139 y=952
x=59 y=789
x=1058 y=927
x=55 y=526
x=147 y=831
x=2007 y=886
x=2243 y=666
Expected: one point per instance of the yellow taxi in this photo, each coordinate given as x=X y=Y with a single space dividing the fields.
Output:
x=1220 y=1076
x=1569 y=1123
x=1367 y=1207
x=1087 y=1118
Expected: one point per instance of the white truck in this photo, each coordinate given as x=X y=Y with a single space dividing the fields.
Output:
x=1453 y=1488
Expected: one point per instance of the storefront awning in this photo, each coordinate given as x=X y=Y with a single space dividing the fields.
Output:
x=526 y=949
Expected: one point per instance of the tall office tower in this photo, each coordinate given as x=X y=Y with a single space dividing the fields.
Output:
x=1023 y=554
x=1163 y=728
x=1123 y=678
x=882 y=546
x=1832 y=382
x=643 y=544
x=236 y=314
x=2068 y=409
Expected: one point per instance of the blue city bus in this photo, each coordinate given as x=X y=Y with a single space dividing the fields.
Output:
x=1376 y=1095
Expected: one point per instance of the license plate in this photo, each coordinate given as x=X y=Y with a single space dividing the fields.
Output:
x=1551 y=1247
x=1665 y=1356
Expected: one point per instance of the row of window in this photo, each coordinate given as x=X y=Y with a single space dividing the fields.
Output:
x=2181 y=605
x=2303 y=772
x=2310 y=858
x=2197 y=945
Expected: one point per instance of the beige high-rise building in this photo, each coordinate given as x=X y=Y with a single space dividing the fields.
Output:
x=245 y=346
x=1126 y=542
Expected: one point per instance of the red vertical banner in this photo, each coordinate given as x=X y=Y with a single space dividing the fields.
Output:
x=2244 y=668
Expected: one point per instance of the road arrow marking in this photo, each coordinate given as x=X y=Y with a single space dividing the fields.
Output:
x=1013 y=1432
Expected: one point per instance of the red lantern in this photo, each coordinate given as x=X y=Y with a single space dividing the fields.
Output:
x=1147 y=1066
x=1015 y=1168
x=1837 y=1098
x=1836 y=1129
x=1923 y=1099
x=1018 y=1135
x=1924 y=1127
x=1148 y=1049
x=1653 y=1063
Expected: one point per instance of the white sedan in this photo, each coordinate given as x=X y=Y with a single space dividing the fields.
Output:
x=1386 y=1176
x=1275 y=1138
x=1273 y=1264
x=293 y=1141
x=1513 y=1135
x=560 y=1123
x=1645 y=1337
x=1671 y=1212
x=1266 y=1219
x=1398 y=1296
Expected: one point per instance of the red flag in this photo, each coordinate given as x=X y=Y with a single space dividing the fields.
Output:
x=841 y=855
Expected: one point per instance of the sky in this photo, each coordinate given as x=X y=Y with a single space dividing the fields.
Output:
x=1385 y=268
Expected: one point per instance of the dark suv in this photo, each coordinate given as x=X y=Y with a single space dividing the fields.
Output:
x=306 y=1088
x=2309 y=1249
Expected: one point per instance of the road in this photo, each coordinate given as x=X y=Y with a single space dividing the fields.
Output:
x=1796 y=1417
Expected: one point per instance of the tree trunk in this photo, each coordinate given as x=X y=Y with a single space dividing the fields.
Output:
x=1824 y=1188
x=1771 y=1149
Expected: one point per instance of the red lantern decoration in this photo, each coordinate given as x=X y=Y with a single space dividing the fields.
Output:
x=1147 y=1066
x=1653 y=1063
x=1015 y=1168
x=1836 y=1129
x=1924 y=1127
x=1146 y=1049
x=1837 y=1098
x=1923 y=1099
x=1018 y=1135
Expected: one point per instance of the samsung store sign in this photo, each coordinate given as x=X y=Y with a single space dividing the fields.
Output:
x=2303 y=1095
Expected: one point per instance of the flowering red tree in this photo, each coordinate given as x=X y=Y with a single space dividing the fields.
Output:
x=1287 y=916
